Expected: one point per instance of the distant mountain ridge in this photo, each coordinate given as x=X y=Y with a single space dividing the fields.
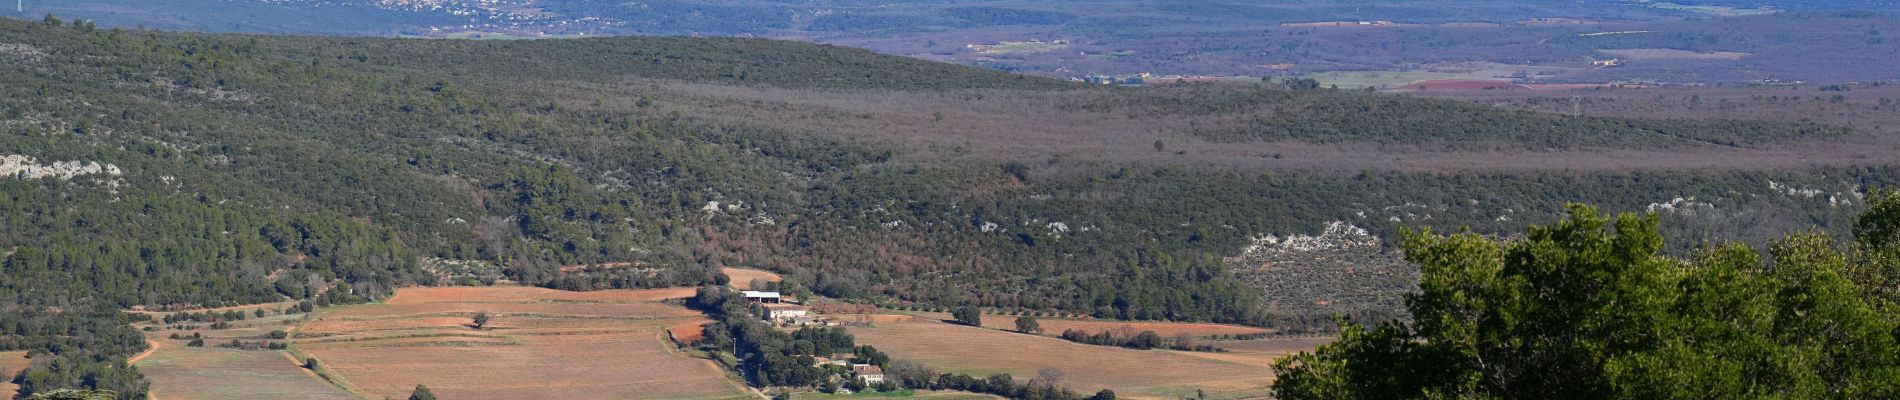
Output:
x=1168 y=38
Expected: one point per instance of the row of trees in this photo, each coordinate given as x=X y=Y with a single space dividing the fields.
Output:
x=1045 y=386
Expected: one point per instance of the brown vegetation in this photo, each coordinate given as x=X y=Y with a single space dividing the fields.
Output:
x=688 y=331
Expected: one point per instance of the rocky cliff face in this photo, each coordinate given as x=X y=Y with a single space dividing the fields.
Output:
x=1342 y=270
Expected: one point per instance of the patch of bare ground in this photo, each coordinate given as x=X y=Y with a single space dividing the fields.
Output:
x=538 y=343
x=742 y=278
x=10 y=362
x=1085 y=368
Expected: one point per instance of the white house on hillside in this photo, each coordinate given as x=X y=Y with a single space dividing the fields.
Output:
x=871 y=374
x=762 y=297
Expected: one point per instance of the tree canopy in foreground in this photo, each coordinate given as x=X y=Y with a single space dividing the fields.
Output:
x=1591 y=308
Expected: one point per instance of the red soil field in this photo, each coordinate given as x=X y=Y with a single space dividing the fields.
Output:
x=688 y=331
x=539 y=343
x=1457 y=84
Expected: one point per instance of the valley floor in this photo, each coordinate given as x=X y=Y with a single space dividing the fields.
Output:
x=615 y=344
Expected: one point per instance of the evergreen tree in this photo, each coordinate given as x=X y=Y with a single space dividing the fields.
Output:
x=1589 y=308
x=968 y=315
x=421 y=393
x=1028 y=324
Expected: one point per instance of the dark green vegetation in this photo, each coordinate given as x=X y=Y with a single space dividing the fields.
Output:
x=422 y=393
x=1335 y=118
x=247 y=169
x=1028 y=324
x=1587 y=308
x=968 y=315
x=81 y=345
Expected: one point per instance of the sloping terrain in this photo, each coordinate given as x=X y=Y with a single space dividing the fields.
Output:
x=171 y=170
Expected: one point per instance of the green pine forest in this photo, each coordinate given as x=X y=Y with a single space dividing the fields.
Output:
x=263 y=168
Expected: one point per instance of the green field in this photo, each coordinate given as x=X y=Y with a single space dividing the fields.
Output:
x=1008 y=47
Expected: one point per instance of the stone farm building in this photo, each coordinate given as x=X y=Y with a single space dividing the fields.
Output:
x=782 y=312
x=871 y=374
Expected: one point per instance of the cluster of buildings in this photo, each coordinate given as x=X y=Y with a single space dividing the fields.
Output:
x=781 y=309
x=871 y=374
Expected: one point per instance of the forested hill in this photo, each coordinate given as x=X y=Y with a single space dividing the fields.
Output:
x=607 y=59
x=184 y=170
x=353 y=157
